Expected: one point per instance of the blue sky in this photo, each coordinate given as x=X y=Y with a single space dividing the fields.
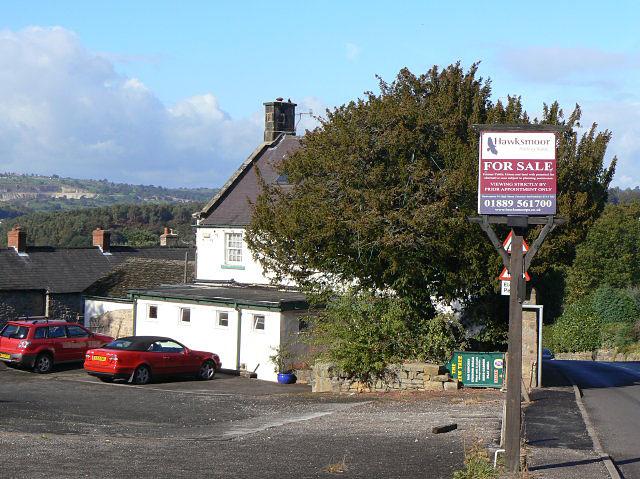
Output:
x=171 y=93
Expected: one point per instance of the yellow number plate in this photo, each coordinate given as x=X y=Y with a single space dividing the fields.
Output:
x=5 y=356
x=98 y=358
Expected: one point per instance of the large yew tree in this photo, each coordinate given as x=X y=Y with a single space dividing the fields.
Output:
x=380 y=193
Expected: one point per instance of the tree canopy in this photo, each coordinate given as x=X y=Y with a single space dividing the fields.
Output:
x=610 y=254
x=381 y=191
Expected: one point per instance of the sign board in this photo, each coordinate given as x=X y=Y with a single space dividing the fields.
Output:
x=505 y=288
x=517 y=173
x=507 y=244
x=505 y=276
x=477 y=370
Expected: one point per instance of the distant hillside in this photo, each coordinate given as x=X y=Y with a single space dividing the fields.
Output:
x=20 y=194
x=134 y=225
x=618 y=195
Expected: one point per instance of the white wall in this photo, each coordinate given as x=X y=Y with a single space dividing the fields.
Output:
x=202 y=333
x=211 y=258
x=97 y=307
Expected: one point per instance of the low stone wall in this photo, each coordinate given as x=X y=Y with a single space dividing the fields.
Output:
x=599 y=355
x=117 y=324
x=326 y=377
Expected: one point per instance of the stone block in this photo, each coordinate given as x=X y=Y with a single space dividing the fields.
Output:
x=451 y=386
x=431 y=369
x=432 y=386
x=443 y=378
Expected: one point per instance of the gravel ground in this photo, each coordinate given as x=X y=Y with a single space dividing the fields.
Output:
x=69 y=425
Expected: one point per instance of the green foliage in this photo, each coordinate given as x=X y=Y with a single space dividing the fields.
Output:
x=135 y=225
x=617 y=335
x=282 y=357
x=382 y=189
x=610 y=254
x=578 y=329
x=477 y=465
x=364 y=332
x=613 y=305
x=444 y=335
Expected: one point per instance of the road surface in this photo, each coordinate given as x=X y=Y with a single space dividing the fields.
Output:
x=611 y=395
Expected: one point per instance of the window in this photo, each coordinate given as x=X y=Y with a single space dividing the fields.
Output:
x=57 y=332
x=165 y=346
x=41 y=333
x=223 y=319
x=185 y=315
x=152 y=312
x=258 y=322
x=15 y=332
x=76 y=332
x=233 y=248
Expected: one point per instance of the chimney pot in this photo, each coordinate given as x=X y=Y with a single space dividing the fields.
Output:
x=17 y=239
x=102 y=239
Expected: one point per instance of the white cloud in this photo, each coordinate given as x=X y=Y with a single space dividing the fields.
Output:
x=65 y=110
x=352 y=51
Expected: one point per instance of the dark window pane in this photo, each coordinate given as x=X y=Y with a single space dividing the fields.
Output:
x=41 y=333
x=76 y=332
x=57 y=332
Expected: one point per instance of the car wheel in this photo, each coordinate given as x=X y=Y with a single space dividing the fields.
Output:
x=43 y=363
x=106 y=380
x=207 y=371
x=142 y=375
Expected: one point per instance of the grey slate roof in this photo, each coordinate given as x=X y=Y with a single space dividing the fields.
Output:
x=138 y=273
x=259 y=297
x=69 y=270
x=231 y=205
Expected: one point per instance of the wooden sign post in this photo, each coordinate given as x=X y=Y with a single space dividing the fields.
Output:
x=517 y=188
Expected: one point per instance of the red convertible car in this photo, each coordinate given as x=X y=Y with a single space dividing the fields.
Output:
x=141 y=358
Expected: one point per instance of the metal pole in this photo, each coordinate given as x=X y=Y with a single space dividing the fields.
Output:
x=514 y=369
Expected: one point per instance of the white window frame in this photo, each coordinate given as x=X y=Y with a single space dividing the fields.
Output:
x=233 y=248
x=219 y=319
x=181 y=315
x=256 y=318
x=149 y=306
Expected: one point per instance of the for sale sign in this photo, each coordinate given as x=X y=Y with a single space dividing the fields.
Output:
x=517 y=173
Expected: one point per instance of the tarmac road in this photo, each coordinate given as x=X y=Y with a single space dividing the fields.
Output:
x=611 y=395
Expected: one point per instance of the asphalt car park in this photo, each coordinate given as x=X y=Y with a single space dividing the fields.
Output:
x=69 y=424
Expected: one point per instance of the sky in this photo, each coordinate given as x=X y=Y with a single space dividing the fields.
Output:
x=171 y=93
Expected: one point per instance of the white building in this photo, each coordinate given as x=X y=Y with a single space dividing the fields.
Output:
x=231 y=309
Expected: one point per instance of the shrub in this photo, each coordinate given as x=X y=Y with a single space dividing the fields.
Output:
x=578 y=329
x=614 y=305
x=617 y=335
x=363 y=333
x=444 y=335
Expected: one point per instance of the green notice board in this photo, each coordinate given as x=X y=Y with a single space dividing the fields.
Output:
x=477 y=370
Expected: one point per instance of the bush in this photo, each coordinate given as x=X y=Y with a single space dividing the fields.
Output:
x=578 y=329
x=613 y=305
x=617 y=335
x=363 y=333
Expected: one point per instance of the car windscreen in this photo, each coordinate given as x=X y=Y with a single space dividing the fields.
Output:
x=12 y=331
x=128 y=345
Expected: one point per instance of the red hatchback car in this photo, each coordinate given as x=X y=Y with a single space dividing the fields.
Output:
x=140 y=358
x=40 y=344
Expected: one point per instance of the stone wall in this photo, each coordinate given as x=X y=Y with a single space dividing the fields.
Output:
x=599 y=355
x=68 y=306
x=14 y=304
x=326 y=377
x=117 y=324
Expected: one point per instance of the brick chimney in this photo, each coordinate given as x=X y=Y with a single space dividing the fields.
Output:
x=17 y=239
x=102 y=239
x=168 y=238
x=279 y=117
